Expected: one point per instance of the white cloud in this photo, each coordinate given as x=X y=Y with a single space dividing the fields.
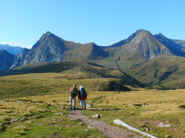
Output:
x=15 y=44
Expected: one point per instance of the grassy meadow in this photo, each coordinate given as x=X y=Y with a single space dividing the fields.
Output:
x=32 y=105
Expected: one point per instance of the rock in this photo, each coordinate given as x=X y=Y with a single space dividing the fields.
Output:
x=14 y=120
x=168 y=136
x=29 y=121
x=89 y=105
x=90 y=127
x=39 y=116
x=96 y=116
x=161 y=124
x=146 y=127
x=49 y=105
x=86 y=130
x=63 y=107
x=61 y=113
x=56 y=135
x=24 y=119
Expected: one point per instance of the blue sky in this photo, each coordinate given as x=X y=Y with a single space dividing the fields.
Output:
x=101 y=21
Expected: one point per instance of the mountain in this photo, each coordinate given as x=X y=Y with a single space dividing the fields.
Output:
x=180 y=42
x=175 y=48
x=166 y=72
x=151 y=59
x=6 y=60
x=51 y=48
x=19 y=59
x=11 y=49
x=144 y=45
x=137 y=49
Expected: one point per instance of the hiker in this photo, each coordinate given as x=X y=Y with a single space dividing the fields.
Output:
x=82 y=97
x=72 y=98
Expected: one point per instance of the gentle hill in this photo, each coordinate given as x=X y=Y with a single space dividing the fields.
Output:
x=75 y=70
x=48 y=83
x=6 y=60
x=93 y=70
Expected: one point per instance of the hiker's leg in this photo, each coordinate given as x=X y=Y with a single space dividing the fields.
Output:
x=71 y=102
x=75 y=103
x=84 y=104
x=81 y=104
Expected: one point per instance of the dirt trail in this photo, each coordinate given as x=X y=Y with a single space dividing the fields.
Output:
x=106 y=129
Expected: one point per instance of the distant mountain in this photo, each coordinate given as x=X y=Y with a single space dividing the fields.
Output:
x=152 y=59
x=11 y=49
x=180 y=42
x=51 y=48
x=6 y=60
x=137 y=49
x=144 y=45
x=19 y=59
x=175 y=48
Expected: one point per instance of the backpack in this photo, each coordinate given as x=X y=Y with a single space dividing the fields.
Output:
x=83 y=93
x=74 y=92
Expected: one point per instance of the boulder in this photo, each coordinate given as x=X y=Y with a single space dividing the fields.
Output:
x=96 y=116
x=161 y=124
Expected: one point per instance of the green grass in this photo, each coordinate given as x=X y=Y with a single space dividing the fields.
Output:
x=40 y=120
x=47 y=83
x=145 y=110
x=31 y=104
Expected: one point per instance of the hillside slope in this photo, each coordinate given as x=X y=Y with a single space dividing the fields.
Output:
x=167 y=72
x=6 y=60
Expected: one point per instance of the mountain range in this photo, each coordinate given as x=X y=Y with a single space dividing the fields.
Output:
x=15 y=50
x=140 y=51
x=138 y=48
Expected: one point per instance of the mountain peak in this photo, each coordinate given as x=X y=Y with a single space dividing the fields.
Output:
x=143 y=32
x=92 y=44
x=161 y=36
x=139 y=34
x=48 y=34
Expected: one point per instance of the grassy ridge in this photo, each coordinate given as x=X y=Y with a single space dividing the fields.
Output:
x=45 y=83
